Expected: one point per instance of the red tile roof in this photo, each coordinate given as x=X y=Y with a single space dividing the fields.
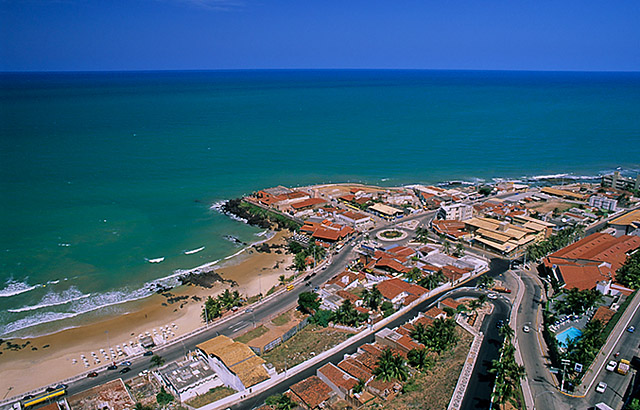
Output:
x=391 y=264
x=435 y=312
x=393 y=287
x=402 y=251
x=356 y=369
x=307 y=203
x=347 y=295
x=450 y=303
x=338 y=377
x=312 y=391
x=603 y=314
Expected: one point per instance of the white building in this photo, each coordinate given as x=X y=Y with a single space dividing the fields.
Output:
x=356 y=220
x=602 y=202
x=188 y=379
x=457 y=212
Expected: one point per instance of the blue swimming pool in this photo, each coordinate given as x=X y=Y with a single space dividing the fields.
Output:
x=570 y=333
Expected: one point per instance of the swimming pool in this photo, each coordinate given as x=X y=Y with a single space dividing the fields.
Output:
x=570 y=333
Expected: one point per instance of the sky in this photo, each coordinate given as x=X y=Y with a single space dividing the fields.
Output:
x=88 y=35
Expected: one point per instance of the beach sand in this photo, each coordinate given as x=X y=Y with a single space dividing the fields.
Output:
x=28 y=369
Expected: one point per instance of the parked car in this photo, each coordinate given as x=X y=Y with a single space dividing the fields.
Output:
x=93 y=374
x=61 y=386
x=27 y=397
x=125 y=370
x=112 y=367
x=50 y=389
x=526 y=329
x=601 y=387
x=492 y=296
x=611 y=366
x=127 y=363
x=631 y=329
x=148 y=353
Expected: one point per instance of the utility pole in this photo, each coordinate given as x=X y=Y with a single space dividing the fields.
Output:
x=206 y=315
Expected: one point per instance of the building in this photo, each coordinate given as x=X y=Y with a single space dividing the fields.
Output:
x=455 y=212
x=626 y=223
x=311 y=393
x=562 y=193
x=356 y=220
x=111 y=395
x=188 y=378
x=592 y=262
x=501 y=236
x=602 y=202
x=617 y=181
x=400 y=292
x=235 y=363
x=451 y=229
x=340 y=382
x=385 y=211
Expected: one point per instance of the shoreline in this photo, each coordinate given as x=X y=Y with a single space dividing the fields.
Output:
x=178 y=311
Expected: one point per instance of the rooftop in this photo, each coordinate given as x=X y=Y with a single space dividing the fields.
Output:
x=184 y=374
x=312 y=391
x=113 y=395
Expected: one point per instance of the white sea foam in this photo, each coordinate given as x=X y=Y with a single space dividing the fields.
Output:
x=13 y=288
x=32 y=320
x=54 y=299
x=217 y=206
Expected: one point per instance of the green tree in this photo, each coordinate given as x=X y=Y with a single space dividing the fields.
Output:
x=486 y=281
x=578 y=301
x=420 y=359
x=322 y=317
x=387 y=308
x=300 y=262
x=413 y=275
x=459 y=252
x=485 y=190
x=372 y=298
x=229 y=299
x=282 y=280
x=347 y=314
x=446 y=247
x=634 y=405
x=163 y=397
x=629 y=273
x=440 y=336
x=429 y=281
x=390 y=366
x=507 y=332
x=308 y=302
x=359 y=387
x=422 y=235
x=157 y=360
x=280 y=402
x=211 y=309
x=140 y=406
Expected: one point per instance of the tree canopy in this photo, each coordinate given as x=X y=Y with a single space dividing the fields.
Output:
x=629 y=274
x=308 y=302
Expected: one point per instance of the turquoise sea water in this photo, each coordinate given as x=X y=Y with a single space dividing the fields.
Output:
x=124 y=166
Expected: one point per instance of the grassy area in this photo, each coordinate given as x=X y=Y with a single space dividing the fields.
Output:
x=282 y=319
x=252 y=334
x=307 y=343
x=212 y=395
x=434 y=388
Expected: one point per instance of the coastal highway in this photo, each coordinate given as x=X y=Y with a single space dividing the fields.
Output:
x=231 y=328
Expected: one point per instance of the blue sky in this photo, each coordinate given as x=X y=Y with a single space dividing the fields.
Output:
x=594 y=35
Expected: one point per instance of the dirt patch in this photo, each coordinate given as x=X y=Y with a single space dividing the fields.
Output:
x=307 y=343
x=549 y=206
x=212 y=395
x=434 y=389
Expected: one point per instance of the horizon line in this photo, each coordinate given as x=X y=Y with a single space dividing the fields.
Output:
x=308 y=69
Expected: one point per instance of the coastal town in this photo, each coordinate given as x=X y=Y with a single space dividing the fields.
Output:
x=510 y=295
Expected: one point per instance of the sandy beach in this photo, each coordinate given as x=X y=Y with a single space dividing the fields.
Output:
x=48 y=359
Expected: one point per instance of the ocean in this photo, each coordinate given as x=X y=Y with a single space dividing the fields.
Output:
x=100 y=172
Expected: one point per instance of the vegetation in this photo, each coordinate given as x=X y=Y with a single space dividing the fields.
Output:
x=585 y=348
x=508 y=372
x=372 y=298
x=387 y=308
x=212 y=395
x=163 y=397
x=629 y=274
x=281 y=402
x=414 y=275
x=282 y=319
x=485 y=190
x=438 y=337
x=391 y=234
x=213 y=308
x=563 y=238
x=359 y=387
x=391 y=366
x=157 y=360
x=486 y=281
x=432 y=281
x=420 y=359
x=577 y=301
x=140 y=406
x=258 y=216
x=322 y=317
x=313 y=250
x=347 y=315
x=422 y=235
x=308 y=302
x=459 y=251
x=252 y=334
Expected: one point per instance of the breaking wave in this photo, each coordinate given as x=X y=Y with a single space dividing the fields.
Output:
x=15 y=288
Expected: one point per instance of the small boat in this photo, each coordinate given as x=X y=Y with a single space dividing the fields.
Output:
x=157 y=260
x=191 y=252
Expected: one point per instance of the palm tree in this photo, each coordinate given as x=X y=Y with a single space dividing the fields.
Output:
x=420 y=333
x=413 y=275
x=507 y=332
x=486 y=281
x=446 y=247
x=390 y=366
x=282 y=279
x=429 y=281
x=372 y=298
x=459 y=252
x=211 y=309
x=420 y=359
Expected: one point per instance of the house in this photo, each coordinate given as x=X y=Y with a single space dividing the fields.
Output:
x=235 y=363
x=591 y=260
x=562 y=193
x=452 y=229
x=356 y=220
x=502 y=236
x=340 y=382
x=400 y=292
x=311 y=393
x=450 y=303
x=435 y=313
x=385 y=211
x=604 y=203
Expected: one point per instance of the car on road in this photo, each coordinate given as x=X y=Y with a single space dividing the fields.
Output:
x=127 y=363
x=50 y=389
x=492 y=296
x=112 y=367
x=61 y=386
x=631 y=329
x=499 y=324
x=526 y=329
x=125 y=370
x=92 y=374
x=601 y=387
x=27 y=397
x=148 y=353
x=611 y=366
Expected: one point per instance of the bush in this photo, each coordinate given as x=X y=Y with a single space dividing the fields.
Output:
x=163 y=397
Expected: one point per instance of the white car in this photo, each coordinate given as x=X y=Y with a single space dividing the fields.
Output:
x=601 y=387
x=526 y=329
x=611 y=366
x=492 y=296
